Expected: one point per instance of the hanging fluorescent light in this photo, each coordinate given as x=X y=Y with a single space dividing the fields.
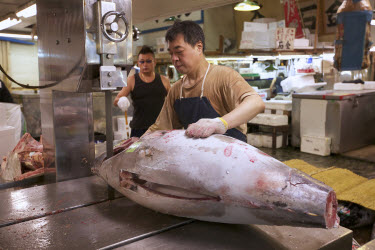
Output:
x=8 y=23
x=28 y=12
x=247 y=5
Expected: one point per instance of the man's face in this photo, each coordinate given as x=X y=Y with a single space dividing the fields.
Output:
x=146 y=63
x=184 y=57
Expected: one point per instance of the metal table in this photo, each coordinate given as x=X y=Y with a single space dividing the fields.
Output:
x=76 y=214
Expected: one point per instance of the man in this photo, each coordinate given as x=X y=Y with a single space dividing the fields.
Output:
x=210 y=99
x=147 y=90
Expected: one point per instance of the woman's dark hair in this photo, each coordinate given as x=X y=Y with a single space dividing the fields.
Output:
x=146 y=50
x=191 y=31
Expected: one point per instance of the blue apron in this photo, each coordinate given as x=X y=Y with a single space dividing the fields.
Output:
x=190 y=110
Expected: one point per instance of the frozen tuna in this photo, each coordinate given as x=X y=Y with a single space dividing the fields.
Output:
x=217 y=179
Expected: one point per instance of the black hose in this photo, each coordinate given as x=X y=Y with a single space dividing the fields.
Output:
x=27 y=86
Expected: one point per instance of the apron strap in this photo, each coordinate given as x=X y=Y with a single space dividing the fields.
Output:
x=182 y=84
x=204 y=79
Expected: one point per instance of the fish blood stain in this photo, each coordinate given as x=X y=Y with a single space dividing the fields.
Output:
x=228 y=151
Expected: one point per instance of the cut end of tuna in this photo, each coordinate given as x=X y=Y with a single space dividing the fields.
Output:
x=330 y=214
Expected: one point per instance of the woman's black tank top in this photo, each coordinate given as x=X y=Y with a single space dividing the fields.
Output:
x=148 y=99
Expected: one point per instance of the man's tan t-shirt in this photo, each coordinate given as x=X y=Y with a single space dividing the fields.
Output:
x=224 y=87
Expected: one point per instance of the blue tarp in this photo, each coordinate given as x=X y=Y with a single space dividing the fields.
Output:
x=354 y=38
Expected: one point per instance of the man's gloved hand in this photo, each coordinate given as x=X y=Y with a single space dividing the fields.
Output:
x=123 y=103
x=207 y=127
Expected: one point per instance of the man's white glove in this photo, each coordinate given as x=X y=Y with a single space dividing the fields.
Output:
x=123 y=103
x=207 y=127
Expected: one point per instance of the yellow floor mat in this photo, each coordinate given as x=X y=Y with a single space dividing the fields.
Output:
x=347 y=185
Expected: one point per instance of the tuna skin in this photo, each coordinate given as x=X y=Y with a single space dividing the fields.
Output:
x=217 y=179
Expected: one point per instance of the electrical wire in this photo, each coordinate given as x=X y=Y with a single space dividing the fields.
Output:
x=27 y=86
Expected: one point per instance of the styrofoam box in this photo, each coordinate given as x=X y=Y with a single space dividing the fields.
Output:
x=316 y=145
x=7 y=139
x=251 y=26
x=301 y=42
x=279 y=104
x=258 y=39
x=255 y=139
x=267 y=111
x=369 y=85
x=275 y=25
x=264 y=20
x=347 y=86
x=269 y=119
x=267 y=141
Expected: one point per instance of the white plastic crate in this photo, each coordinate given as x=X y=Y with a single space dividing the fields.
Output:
x=316 y=145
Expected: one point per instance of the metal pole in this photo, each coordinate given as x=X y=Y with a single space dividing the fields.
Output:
x=109 y=134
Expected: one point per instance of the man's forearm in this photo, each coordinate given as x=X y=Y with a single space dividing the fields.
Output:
x=247 y=110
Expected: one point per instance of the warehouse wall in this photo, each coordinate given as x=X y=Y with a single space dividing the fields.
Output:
x=23 y=64
x=219 y=21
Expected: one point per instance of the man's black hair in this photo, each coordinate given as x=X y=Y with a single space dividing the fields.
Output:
x=191 y=31
x=146 y=50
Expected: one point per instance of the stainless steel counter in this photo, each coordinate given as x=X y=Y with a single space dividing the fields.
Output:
x=75 y=214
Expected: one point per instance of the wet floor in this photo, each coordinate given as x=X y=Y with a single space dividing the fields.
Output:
x=360 y=167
